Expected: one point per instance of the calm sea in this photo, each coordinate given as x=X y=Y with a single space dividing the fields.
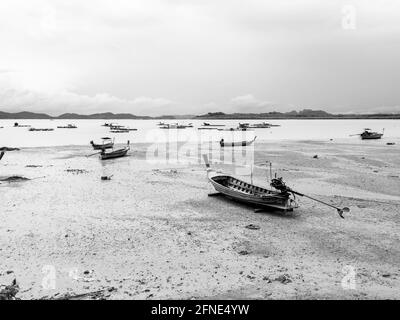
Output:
x=148 y=131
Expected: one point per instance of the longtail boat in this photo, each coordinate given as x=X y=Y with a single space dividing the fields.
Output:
x=222 y=143
x=108 y=143
x=251 y=194
x=367 y=134
x=115 y=153
x=280 y=197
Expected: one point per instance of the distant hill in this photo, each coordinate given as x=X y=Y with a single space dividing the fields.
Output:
x=303 y=114
x=24 y=115
x=106 y=115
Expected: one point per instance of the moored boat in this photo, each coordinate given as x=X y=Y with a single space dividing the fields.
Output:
x=115 y=153
x=107 y=143
x=41 y=129
x=206 y=124
x=222 y=143
x=68 y=126
x=368 y=134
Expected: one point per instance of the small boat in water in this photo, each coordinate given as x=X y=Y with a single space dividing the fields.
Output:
x=237 y=129
x=222 y=143
x=173 y=126
x=69 y=126
x=17 y=125
x=108 y=143
x=206 y=124
x=263 y=125
x=41 y=129
x=114 y=153
x=369 y=135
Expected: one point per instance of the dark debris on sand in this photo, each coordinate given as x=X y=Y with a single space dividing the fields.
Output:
x=14 y=179
x=9 y=292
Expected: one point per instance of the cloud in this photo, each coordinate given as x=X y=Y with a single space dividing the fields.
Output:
x=249 y=103
x=54 y=103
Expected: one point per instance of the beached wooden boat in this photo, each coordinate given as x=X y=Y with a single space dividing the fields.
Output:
x=281 y=197
x=251 y=194
x=222 y=143
x=115 y=153
x=108 y=143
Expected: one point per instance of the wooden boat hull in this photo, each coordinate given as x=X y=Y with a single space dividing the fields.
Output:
x=102 y=146
x=114 y=154
x=253 y=195
x=236 y=144
x=372 y=136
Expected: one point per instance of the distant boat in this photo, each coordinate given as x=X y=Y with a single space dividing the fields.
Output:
x=69 y=126
x=237 y=129
x=206 y=124
x=108 y=143
x=107 y=124
x=207 y=128
x=369 y=135
x=41 y=129
x=16 y=124
x=115 y=153
x=115 y=126
x=263 y=125
x=173 y=126
x=222 y=143
x=121 y=129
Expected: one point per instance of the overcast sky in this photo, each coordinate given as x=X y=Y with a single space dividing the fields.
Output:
x=153 y=57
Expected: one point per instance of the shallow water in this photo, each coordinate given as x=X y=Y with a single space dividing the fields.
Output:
x=148 y=132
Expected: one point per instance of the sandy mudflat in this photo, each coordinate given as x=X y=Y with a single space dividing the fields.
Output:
x=152 y=231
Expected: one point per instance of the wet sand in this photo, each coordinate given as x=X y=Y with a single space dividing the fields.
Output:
x=153 y=233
